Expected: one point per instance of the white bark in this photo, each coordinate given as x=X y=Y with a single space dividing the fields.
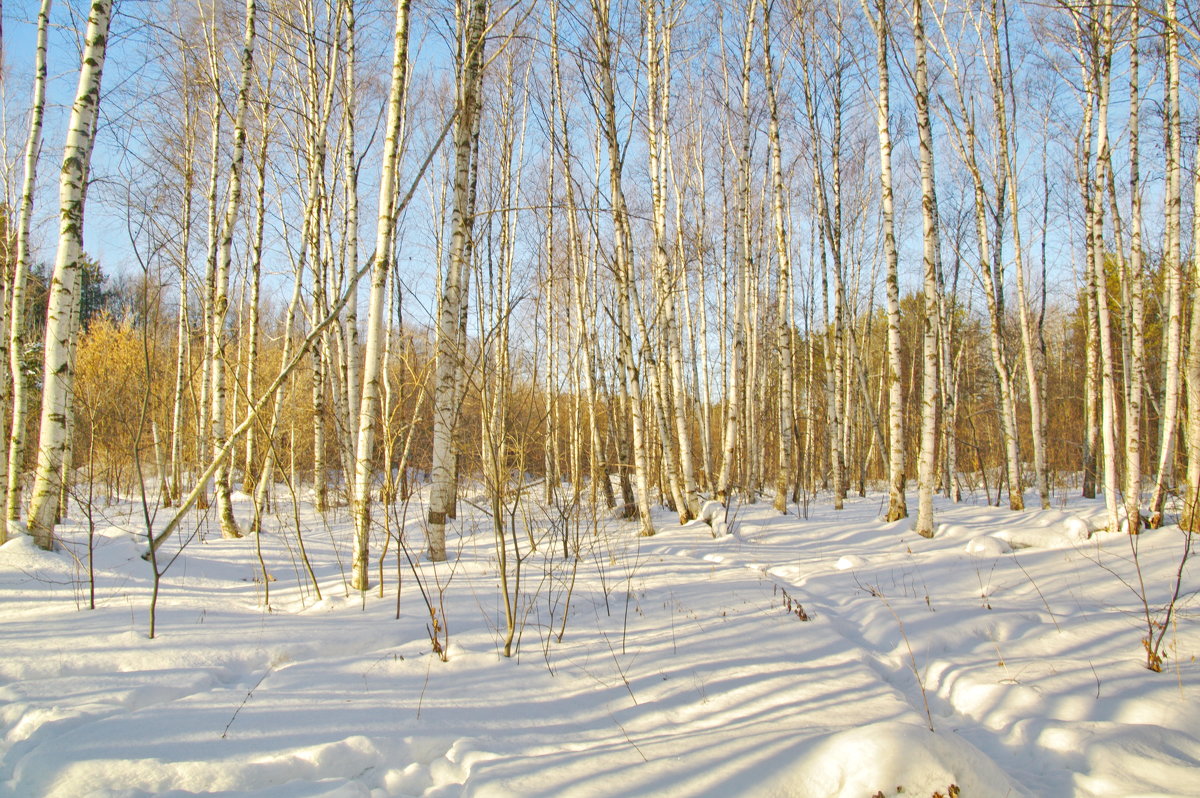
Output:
x=1136 y=282
x=929 y=387
x=220 y=308
x=59 y=370
x=736 y=368
x=16 y=341
x=1033 y=365
x=897 y=502
x=381 y=263
x=1172 y=267
x=1190 y=519
x=785 y=475
x=452 y=302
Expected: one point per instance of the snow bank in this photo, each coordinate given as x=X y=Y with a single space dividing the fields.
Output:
x=895 y=758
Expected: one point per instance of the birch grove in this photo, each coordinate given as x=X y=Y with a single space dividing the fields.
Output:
x=646 y=259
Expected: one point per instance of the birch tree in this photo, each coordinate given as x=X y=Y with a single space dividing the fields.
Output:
x=897 y=501
x=736 y=368
x=1007 y=141
x=783 y=335
x=16 y=340
x=452 y=301
x=376 y=322
x=1173 y=270
x=58 y=370
x=1135 y=280
x=929 y=235
x=220 y=310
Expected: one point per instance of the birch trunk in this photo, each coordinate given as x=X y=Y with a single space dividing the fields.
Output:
x=734 y=388
x=250 y=471
x=1190 y=519
x=229 y=528
x=658 y=113
x=1102 y=84
x=1173 y=269
x=16 y=341
x=352 y=367
x=451 y=306
x=1136 y=282
x=182 y=324
x=580 y=276
x=376 y=328
x=622 y=261
x=897 y=501
x=1006 y=137
x=929 y=387
x=786 y=468
x=59 y=370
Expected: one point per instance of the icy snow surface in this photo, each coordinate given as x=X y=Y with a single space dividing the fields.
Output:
x=687 y=666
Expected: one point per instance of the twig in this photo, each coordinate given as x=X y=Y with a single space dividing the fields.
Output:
x=1045 y=603
x=249 y=693
x=628 y=739
x=911 y=657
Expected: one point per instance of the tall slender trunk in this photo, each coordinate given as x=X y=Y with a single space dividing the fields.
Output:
x=1136 y=282
x=659 y=51
x=451 y=303
x=580 y=272
x=16 y=340
x=182 y=324
x=250 y=471
x=1006 y=137
x=376 y=322
x=1173 y=268
x=59 y=370
x=220 y=309
x=350 y=360
x=928 y=452
x=897 y=501
x=735 y=388
x=1190 y=519
x=622 y=261
x=1098 y=283
x=785 y=468
x=204 y=420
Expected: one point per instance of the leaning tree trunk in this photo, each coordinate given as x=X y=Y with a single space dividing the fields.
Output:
x=59 y=370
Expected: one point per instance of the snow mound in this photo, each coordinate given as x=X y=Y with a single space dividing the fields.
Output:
x=711 y=511
x=1065 y=534
x=988 y=546
x=850 y=561
x=899 y=758
x=713 y=514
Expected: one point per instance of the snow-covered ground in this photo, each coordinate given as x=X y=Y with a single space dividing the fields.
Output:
x=798 y=657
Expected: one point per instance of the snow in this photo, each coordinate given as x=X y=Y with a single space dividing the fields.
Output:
x=795 y=657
